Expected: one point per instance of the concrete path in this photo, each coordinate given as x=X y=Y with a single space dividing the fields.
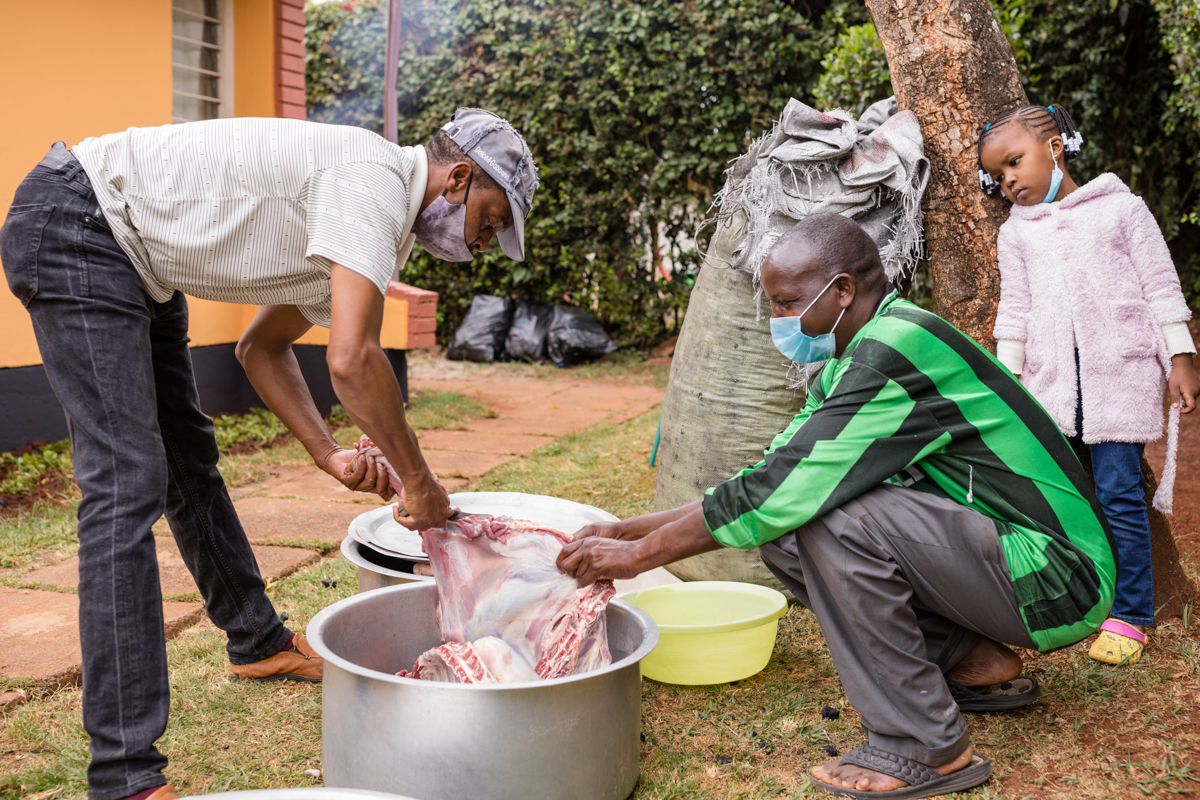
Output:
x=298 y=512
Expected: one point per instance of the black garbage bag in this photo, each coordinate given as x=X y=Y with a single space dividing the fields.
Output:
x=526 y=340
x=480 y=337
x=575 y=336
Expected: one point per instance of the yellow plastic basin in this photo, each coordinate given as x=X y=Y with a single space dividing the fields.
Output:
x=710 y=631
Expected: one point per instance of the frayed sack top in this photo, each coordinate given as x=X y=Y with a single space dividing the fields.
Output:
x=1092 y=272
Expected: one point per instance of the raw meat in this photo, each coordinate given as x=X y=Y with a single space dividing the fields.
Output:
x=505 y=611
x=367 y=449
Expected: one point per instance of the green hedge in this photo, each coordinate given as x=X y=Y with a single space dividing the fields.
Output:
x=632 y=111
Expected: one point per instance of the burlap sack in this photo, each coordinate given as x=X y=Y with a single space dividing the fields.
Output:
x=727 y=397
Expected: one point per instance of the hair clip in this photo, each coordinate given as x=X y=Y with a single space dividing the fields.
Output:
x=1073 y=143
x=987 y=182
x=987 y=127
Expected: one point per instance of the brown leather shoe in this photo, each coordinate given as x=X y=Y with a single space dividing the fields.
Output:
x=166 y=792
x=298 y=663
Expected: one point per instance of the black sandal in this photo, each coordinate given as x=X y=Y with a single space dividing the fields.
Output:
x=1020 y=691
x=922 y=780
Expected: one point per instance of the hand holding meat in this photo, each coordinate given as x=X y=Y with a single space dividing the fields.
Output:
x=603 y=530
x=359 y=474
x=424 y=505
x=594 y=558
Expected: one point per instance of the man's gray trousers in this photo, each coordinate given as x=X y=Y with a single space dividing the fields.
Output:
x=903 y=584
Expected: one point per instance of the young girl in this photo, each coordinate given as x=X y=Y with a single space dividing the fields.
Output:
x=1091 y=318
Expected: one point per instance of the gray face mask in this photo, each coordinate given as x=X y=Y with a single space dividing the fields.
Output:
x=442 y=229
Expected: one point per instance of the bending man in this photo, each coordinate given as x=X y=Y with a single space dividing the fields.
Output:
x=922 y=504
x=307 y=221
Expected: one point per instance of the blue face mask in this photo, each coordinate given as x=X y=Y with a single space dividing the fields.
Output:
x=790 y=340
x=1055 y=179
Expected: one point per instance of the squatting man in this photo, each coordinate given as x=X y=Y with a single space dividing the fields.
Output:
x=307 y=221
x=922 y=504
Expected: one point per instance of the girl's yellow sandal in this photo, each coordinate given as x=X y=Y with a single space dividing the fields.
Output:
x=1119 y=643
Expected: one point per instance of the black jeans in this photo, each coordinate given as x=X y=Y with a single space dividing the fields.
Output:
x=120 y=366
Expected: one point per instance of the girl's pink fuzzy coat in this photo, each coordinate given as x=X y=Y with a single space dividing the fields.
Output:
x=1092 y=272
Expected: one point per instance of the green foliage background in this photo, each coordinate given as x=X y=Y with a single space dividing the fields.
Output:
x=633 y=110
x=1125 y=71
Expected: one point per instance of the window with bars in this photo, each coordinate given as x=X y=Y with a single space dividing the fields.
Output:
x=201 y=60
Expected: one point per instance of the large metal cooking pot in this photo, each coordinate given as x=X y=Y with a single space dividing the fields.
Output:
x=573 y=737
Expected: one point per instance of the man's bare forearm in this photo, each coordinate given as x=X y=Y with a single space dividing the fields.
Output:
x=277 y=378
x=684 y=537
x=639 y=527
x=367 y=387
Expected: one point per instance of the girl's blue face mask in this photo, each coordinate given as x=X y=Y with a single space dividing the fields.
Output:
x=790 y=340
x=1056 y=178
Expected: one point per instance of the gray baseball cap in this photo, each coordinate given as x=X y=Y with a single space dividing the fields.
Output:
x=498 y=148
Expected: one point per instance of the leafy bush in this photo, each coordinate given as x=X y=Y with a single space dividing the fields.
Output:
x=26 y=471
x=856 y=72
x=257 y=426
x=632 y=111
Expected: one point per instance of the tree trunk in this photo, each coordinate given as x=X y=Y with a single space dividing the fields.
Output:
x=953 y=68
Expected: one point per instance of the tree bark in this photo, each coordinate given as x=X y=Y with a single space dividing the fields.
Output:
x=952 y=67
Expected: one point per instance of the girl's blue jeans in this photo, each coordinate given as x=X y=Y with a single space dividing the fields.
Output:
x=1117 y=469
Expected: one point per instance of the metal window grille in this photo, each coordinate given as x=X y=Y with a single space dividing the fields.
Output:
x=201 y=60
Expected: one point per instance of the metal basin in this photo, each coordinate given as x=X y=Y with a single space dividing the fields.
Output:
x=573 y=737
x=375 y=570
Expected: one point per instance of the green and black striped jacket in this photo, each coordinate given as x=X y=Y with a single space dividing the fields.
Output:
x=915 y=402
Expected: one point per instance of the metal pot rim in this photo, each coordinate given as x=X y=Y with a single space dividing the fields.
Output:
x=350 y=552
x=315 y=634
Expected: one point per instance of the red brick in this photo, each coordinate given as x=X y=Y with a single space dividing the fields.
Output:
x=293 y=79
x=292 y=63
x=417 y=341
x=421 y=325
x=407 y=292
x=289 y=95
x=421 y=302
x=290 y=30
x=293 y=111
x=292 y=14
x=291 y=47
x=293 y=4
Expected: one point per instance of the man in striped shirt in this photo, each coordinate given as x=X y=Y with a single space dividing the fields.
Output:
x=306 y=221
x=922 y=504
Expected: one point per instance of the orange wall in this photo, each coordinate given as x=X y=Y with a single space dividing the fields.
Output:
x=78 y=68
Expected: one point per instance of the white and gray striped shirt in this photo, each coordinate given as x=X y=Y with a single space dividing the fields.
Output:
x=255 y=210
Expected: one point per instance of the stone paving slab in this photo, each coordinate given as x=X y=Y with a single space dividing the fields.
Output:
x=276 y=519
x=546 y=426
x=308 y=482
x=458 y=465
x=273 y=562
x=40 y=631
x=482 y=442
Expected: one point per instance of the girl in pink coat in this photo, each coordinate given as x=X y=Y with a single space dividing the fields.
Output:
x=1093 y=321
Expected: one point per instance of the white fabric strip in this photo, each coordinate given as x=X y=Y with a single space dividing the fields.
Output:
x=1011 y=353
x=1179 y=338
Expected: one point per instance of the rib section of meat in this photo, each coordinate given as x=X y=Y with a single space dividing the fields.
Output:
x=505 y=611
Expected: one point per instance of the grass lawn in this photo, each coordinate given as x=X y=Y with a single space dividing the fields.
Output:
x=1097 y=732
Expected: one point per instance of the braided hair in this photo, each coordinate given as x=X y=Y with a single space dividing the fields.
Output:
x=1045 y=120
